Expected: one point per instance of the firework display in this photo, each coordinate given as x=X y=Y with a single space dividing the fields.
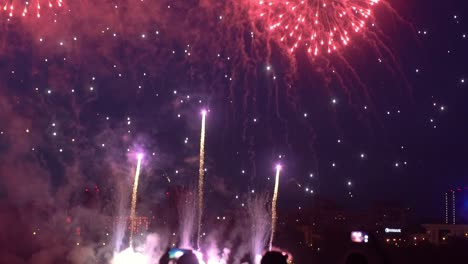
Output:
x=25 y=8
x=87 y=87
x=317 y=25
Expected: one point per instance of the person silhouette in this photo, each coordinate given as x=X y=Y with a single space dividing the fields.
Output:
x=188 y=258
x=274 y=257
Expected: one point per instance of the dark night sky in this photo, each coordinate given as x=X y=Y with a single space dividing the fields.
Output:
x=103 y=94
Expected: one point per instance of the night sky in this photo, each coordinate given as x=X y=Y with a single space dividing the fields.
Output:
x=86 y=86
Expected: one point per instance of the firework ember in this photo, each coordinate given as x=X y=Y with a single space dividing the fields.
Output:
x=317 y=25
x=23 y=8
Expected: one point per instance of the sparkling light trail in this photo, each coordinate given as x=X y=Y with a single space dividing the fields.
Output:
x=15 y=7
x=201 y=176
x=134 y=198
x=318 y=25
x=274 y=201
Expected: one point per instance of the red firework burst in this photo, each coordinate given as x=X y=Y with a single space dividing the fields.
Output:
x=23 y=8
x=319 y=25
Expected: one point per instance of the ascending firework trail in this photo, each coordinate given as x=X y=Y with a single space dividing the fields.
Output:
x=201 y=175
x=274 y=201
x=134 y=198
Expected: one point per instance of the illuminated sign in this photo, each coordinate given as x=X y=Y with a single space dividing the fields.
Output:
x=392 y=230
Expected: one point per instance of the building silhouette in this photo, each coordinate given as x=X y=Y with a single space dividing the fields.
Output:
x=456 y=206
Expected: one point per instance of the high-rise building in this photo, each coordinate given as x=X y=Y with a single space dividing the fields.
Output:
x=456 y=206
